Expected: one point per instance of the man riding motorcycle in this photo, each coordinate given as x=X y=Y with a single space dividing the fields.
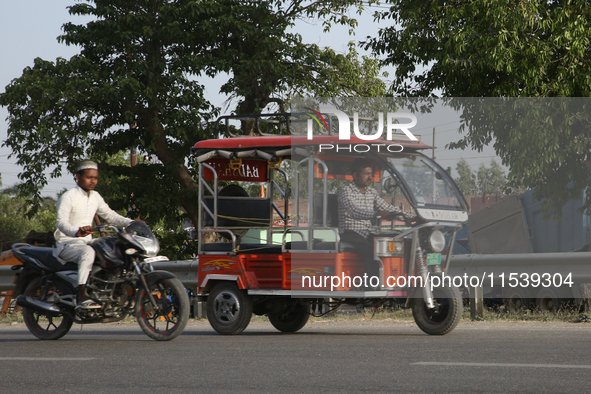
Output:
x=75 y=211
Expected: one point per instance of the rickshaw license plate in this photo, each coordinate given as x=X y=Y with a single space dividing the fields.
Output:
x=433 y=258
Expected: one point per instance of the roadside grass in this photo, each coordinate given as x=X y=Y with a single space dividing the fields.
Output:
x=569 y=315
x=348 y=313
x=11 y=317
x=351 y=313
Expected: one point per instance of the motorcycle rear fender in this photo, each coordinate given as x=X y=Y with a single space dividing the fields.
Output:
x=26 y=276
x=154 y=276
x=23 y=258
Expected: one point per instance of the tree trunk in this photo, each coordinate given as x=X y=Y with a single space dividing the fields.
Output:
x=177 y=168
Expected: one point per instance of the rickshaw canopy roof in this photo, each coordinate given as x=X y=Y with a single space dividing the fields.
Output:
x=276 y=141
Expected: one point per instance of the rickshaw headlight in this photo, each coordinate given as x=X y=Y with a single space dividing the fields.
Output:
x=437 y=241
x=388 y=247
x=396 y=247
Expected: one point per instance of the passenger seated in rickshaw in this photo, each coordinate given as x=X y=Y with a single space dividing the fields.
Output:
x=358 y=204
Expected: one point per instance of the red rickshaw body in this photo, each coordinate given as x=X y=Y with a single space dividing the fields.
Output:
x=268 y=276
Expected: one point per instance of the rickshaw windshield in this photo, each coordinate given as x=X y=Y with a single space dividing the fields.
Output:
x=429 y=185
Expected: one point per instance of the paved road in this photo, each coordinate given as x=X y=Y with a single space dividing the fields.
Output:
x=327 y=356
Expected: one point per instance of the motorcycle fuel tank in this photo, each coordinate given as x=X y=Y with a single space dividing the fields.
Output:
x=108 y=255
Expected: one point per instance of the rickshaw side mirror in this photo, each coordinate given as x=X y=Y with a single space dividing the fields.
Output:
x=390 y=184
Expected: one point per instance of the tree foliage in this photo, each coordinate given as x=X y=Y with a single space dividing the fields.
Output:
x=14 y=222
x=135 y=84
x=466 y=179
x=544 y=141
x=491 y=180
x=269 y=63
x=487 y=48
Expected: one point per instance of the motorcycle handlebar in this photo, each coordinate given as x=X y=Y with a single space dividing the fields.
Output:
x=103 y=227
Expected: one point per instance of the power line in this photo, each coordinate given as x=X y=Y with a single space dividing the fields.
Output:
x=438 y=125
x=468 y=158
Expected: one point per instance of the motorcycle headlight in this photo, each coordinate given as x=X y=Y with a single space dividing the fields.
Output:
x=436 y=241
x=150 y=245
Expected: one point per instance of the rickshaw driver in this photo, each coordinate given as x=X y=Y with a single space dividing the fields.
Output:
x=358 y=204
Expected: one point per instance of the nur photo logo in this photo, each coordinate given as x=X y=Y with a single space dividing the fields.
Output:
x=344 y=122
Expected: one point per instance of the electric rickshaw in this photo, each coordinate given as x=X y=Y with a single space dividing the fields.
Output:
x=268 y=231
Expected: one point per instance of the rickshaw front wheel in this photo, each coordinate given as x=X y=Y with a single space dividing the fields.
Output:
x=444 y=317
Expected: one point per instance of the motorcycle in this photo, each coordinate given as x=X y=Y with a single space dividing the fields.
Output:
x=122 y=282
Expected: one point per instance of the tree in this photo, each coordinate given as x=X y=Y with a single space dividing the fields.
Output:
x=491 y=180
x=14 y=223
x=269 y=63
x=512 y=48
x=466 y=179
x=488 y=48
x=135 y=84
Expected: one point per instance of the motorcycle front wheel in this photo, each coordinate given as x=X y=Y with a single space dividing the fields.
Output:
x=41 y=325
x=169 y=319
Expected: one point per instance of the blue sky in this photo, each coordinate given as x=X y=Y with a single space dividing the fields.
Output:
x=29 y=29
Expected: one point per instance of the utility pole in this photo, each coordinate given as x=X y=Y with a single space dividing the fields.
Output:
x=433 y=156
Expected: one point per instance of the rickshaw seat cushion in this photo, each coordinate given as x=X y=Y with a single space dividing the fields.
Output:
x=301 y=245
x=343 y=246
x=296 y=245
x=243 y=248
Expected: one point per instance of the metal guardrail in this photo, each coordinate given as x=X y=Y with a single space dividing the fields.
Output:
x=578 y=264
x=185 y=270
x=496 y=269
x=6 y=277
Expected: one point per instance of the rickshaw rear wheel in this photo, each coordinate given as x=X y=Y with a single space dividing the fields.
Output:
x=444 y=317
x=291 y=320
x=229 y=309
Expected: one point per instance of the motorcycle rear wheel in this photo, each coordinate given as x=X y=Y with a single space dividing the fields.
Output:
x=43 y=326
x=172 y=316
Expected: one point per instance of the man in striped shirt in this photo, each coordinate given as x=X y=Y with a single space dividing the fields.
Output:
x=358 y=204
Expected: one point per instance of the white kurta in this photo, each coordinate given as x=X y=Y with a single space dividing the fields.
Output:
x=75 y=209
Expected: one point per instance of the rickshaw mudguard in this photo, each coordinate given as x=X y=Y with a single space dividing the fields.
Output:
x=224 y=268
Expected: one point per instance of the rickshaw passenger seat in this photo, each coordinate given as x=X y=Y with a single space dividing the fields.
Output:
x=332 y=210
x=301 y=245
x=343 y=246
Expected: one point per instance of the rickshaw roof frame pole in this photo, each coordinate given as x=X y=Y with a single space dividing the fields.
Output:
x=311 y=161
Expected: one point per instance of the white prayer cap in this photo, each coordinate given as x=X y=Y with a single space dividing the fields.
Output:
x=87 y=165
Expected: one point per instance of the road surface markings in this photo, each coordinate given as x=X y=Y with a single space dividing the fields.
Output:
x=454 y=364
x=45 y=359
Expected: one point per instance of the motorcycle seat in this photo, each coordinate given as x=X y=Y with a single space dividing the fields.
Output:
x=45 y=256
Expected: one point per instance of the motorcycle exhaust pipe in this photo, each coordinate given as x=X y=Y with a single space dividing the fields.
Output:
x=37 y=305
